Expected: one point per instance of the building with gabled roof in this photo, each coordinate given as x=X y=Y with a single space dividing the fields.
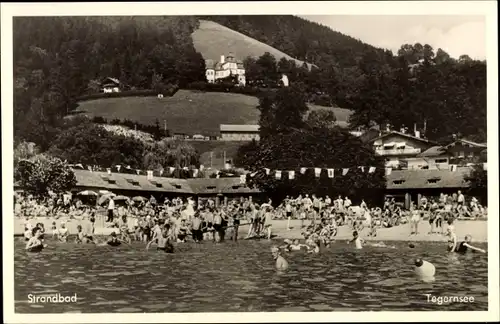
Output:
x=226 y=67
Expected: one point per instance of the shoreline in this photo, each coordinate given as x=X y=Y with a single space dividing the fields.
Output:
x=477 y=228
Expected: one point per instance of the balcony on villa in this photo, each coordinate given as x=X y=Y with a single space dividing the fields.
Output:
x=397 y=151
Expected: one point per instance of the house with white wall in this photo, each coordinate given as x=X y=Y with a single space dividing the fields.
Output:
x=227 y=66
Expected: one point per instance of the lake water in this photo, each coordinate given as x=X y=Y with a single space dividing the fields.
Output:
x=240 y=277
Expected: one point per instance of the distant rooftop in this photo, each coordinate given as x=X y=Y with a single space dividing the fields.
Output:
x=239 y=128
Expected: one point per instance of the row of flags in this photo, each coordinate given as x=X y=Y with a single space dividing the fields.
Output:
x=150 y=173
x=331 y=172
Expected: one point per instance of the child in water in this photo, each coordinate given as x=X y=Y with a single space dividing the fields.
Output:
x=163 y=243
x=35 y=243
x=358 y=242
x=463 y=246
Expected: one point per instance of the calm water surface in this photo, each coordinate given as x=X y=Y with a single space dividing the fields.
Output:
x=240 y=277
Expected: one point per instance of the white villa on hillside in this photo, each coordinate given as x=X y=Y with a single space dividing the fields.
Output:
x=225 y=67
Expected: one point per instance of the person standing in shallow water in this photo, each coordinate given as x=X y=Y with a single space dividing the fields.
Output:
x=281 y=263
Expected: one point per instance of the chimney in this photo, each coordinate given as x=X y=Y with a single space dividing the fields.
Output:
x=150 y=175
x=109 y=171
x=402 y=130
x=388 y=127
x=417 y=134
x=222 y=59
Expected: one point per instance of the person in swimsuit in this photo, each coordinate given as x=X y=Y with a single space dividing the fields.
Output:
x=112 y=241
x=268 y=218
x=63 y=233
x=452 y=238
x=35 y=243
x=183 y=232
x=281 y=263
x=296 y=246
x=163 y=243
x=463 y=246
x=196 y=228
x=358 y=242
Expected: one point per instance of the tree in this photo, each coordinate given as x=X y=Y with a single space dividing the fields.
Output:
x=322 y=148
x=478 y=182
x=41 y=173
x=93 y=145
x=321 y=118
x=170 y=153
x=281 y=111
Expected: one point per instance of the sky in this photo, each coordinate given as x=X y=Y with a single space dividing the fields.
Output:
x=456 y=35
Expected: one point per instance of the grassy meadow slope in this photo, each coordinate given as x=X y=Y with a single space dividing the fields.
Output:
x=189 y=112
x=213 y=40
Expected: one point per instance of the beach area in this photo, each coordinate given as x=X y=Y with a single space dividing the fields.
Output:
x=478 y=229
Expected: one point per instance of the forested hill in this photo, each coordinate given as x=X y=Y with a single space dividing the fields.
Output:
x=302 y=39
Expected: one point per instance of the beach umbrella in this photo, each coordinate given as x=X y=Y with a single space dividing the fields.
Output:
x=121 y=198
x=104 y=199
x=88 y=193
x=139 y=199
x=106 y=192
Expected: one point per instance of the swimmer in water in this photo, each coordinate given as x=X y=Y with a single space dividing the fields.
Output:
x=358 y=242
x=35 y=243
x=463 y=246
x=113 y=241
x=296 y=246
x=281 y=263
x=163 y=243
x=63 y=233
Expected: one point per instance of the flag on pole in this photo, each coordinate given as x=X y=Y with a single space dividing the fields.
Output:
x=90 y=168
x=344 y=171
x=303 y=170
x=267 y=171
x=171 y=169
x=108 y=170
x=453 y=167
x=362 y=168
x=278 y=174
x=317 y=172
x=138 y=171
x=195 y=173
x=388 y=171
x=331 y=173
x=243 y=178
x=150 y=175
x=161 y=172
x=372 y=169
x=291 y=175
x=118 y=167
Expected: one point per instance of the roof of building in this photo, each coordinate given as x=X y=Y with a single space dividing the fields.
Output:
x=239 y=128
x=467 y=143
x=404 y=135
x=433 y=151
x=425 y=179
x=209 y=64
x=124 y=181
x=113 y=80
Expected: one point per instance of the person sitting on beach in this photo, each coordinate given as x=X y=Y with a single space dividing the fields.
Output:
x=281 y=264
x=463 y=246
x=358 y=241
x=63 y=233
x=35 y=244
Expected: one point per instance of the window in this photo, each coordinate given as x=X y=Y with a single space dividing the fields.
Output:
x=433 y=180
x=461 y=154
x=399 y=182
x=133 y=181
x=471 y=154
x=211 y=187
x=441 y=160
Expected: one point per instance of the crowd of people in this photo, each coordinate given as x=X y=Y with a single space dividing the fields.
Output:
x=178 y=220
